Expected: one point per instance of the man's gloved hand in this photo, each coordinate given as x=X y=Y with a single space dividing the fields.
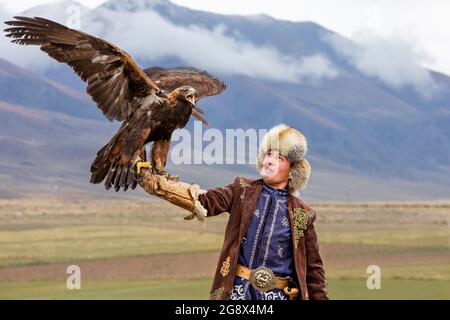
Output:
x=181 y=194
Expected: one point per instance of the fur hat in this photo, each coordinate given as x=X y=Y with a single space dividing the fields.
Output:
x=292 y=144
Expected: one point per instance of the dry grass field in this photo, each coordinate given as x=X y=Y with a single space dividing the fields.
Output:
x=143 y=249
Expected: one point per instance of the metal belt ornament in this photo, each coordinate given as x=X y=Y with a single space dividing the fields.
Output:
x=262 y=279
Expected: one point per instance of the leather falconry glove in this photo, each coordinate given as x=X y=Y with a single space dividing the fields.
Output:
x=181 y=194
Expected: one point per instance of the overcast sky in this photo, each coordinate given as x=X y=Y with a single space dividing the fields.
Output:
x=420 y=23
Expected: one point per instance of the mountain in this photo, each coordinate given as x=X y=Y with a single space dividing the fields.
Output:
x=367 y=138
x=42 y=144
x=18 y=86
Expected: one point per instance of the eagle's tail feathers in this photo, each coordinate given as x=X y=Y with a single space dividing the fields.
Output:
x=110 y=177
x=117 y=178
x=101 y=166
x=123 y=176
x=144 y=159
x=130 y=177
x=115 y=175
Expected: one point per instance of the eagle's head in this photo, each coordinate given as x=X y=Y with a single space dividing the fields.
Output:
x=188 y=93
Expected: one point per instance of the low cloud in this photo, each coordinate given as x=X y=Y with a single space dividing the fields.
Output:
x=154 y=37
x=146 y=35
x=30 y=57
x=395 y=61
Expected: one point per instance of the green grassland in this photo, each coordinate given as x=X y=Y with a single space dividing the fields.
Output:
x=410 y=242
x=60 y=244
x=193 y=289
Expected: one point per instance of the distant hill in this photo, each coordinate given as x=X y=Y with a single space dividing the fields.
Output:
x=19 y=86
x=367 y=140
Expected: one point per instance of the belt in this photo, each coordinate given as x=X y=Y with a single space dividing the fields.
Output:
x=263 y=279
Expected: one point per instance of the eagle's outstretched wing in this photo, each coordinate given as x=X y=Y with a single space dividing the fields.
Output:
x=113 y=78
x=168 y=79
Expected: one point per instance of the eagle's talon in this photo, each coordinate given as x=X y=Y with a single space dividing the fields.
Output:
x=156 y=171
x=141 y=165
x=159 y=172
x=165 y=174
x=173 y=178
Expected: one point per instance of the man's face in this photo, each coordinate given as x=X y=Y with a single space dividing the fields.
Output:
x=275 y=169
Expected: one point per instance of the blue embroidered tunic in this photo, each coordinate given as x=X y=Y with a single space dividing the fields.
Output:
x=268 y=243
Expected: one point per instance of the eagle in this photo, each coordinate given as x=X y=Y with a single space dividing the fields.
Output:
x=150 y=103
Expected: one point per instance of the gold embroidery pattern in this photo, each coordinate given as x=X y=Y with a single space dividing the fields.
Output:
x=217 y=294
x=300 y=221
x=243 y=185
x=225 y=267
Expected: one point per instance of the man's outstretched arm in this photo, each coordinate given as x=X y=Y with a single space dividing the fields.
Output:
x=200 y=203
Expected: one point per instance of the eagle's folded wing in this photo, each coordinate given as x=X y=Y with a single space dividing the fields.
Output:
x=168 y=79
x=113 y=78
x=204 y=83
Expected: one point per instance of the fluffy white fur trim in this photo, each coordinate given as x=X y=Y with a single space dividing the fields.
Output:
x=292 y=144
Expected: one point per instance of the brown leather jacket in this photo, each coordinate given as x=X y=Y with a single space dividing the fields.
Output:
x=240 y=200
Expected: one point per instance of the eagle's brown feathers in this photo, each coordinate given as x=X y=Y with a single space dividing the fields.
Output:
x=114 y=80
x=149 y=110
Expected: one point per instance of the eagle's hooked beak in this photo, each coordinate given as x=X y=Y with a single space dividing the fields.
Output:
x=191 y=98
x=196 y=113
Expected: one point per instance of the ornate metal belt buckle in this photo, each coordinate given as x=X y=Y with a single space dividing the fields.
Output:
x=262 y=278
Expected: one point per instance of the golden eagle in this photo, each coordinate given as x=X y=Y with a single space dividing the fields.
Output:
x=151 y=103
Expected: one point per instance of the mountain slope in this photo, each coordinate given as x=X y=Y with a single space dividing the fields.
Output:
x=358 y=127
x=18 y=86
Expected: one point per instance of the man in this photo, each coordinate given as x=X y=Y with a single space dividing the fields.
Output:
x=270 y=250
